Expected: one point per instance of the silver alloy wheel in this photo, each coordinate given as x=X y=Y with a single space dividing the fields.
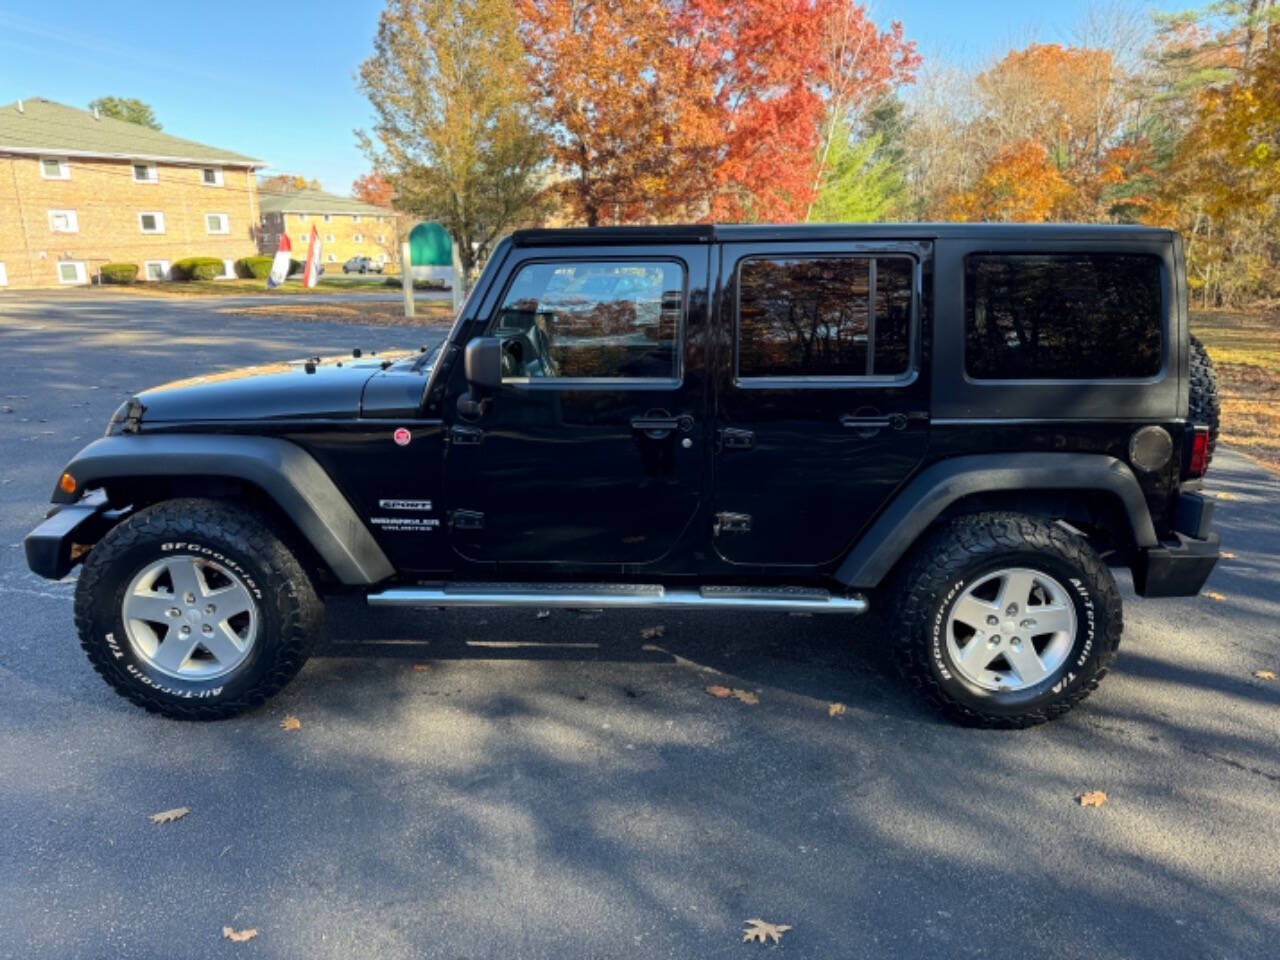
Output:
x=190 y=618
x=1010 y=629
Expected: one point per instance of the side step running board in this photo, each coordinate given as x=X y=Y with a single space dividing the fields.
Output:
x=626 y=596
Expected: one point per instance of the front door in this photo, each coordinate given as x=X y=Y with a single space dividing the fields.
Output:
x=593 y=450
x=821 y=404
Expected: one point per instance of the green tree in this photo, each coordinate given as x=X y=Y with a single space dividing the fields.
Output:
x=860 y=183
x=126 y=108
x=454 y=135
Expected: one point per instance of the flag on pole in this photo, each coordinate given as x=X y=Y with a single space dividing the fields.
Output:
x=311 y=272
x=280 y=265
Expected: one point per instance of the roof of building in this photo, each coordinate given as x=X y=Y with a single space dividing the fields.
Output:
x=42 y=126
x=710 y=233
x=315 y=201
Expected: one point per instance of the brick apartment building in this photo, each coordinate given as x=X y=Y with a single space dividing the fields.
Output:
x=347 y=228
x=79 y=190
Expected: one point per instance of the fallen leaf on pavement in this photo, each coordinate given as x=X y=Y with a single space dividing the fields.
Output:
x=760 y=932
x=290 y=722
x=1212 y=595
x=718 y=691
x=1265 y=674
x=746 y=696
x=543 y=614
x=649 y=633
x=1227 y=555
x=1225 y=495
x=836 y=710
x=1094 y=798
x=238 y=936
x=422 y=667
x=168 y=816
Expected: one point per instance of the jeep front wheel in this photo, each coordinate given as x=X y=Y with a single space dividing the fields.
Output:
x=1006 y=620
x=195 y=610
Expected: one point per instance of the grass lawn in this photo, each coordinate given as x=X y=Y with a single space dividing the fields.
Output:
x=1245 y=348
x=375 y=312
x=249 y=287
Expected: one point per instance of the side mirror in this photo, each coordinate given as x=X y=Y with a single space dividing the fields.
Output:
x=483 y=367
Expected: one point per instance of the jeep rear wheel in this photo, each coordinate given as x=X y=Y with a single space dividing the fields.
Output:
x=1006 y=620
x=195 y=609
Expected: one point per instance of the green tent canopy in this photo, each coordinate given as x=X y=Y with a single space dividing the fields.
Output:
x=430 y=246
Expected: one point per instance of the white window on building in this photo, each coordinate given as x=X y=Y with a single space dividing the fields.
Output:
x=4 y=276
x=152 y=222
x=330 y=258
x=211 y=176
x=327 y=217
x=217 y=223
x=144 y=173
x=358 y=237
x=302 y=218
x=64 y=221
x=55 y=168
x=382 y=238
x=328 y=238
x=355 y=218
x=157 y=269
x=71 y=271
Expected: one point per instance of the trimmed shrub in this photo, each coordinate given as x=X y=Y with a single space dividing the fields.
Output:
x=198 y=268
x=259 y=268
x=295 y=266
x=119 y=272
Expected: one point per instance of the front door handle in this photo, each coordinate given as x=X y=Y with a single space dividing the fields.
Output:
x=659 y=427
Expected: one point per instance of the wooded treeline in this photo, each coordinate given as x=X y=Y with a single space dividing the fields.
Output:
x=492 y=114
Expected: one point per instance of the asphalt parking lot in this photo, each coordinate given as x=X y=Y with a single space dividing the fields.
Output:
x=472 y=784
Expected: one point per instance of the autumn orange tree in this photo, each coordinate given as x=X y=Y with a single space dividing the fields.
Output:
x=373 y=188
x=699 y=109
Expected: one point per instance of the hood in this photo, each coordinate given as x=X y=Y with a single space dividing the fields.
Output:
x=324 y=388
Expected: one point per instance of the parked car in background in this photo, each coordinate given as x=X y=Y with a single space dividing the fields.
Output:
x=362 y=265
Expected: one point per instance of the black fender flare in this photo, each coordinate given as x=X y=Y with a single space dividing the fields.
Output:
x=935 y=488
x=284 y=471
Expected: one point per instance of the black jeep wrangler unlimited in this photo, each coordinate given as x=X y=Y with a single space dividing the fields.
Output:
x=964 y=426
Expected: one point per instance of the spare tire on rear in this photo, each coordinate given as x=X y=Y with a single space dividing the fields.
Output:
x=1205 y=406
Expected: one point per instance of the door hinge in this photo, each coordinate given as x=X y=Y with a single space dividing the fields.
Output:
x=466 y=519
x=735 y=438
x=731 y=523
x=465 y=436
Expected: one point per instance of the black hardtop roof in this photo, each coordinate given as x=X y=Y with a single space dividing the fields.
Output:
x=737 y=232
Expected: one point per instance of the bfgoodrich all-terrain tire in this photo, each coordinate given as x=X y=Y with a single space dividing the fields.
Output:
x=1006 y=620
x=1205 y=406
x=195 y=610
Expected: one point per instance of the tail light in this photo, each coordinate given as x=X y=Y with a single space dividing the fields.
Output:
x=1198 y=459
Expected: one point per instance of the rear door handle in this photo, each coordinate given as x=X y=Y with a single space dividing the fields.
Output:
x=659 y=427
x=864 y=423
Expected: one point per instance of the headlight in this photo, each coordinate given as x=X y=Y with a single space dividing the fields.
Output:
x=125 y=419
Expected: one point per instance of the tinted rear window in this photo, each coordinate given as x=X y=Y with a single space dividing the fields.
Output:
x=1062 y=316
x=831 y=316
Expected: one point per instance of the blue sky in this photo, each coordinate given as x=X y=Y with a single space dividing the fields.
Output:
x=276 y=81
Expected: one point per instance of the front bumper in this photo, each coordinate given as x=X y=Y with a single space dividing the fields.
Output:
x=1179 y=567
x=49 y=546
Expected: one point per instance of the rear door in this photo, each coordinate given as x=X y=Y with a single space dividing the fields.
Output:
x=821 y=405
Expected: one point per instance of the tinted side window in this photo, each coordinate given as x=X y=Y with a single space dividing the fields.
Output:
x=1062 y=316
x=592 y=319
x=824 y=316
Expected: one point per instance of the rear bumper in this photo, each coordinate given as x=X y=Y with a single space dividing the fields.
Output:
x=1179 y=568
x=48 y=546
